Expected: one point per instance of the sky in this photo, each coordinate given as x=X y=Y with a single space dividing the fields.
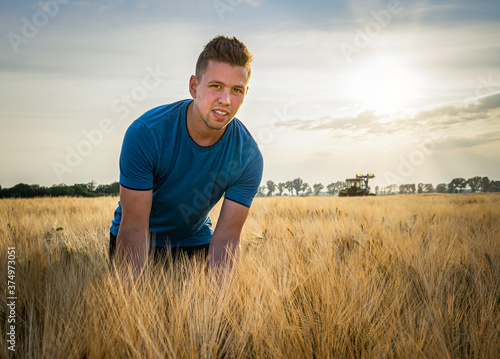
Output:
x=408 y=90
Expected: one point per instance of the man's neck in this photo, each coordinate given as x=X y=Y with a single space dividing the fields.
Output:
x=198 y=131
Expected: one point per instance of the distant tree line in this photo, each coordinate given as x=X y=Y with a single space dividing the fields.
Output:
x=457 y=185
x=298 y=187
x=23 y=190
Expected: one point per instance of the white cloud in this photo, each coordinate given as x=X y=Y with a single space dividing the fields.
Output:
x=450 y=119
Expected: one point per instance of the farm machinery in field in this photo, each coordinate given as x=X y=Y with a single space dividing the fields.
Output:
x=357 y=186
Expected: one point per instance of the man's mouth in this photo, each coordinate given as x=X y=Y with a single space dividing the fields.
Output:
x=220 y=114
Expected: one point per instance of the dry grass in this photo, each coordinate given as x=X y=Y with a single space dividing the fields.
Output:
x=413 y=276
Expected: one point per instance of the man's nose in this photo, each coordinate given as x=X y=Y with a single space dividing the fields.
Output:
x=224 y=97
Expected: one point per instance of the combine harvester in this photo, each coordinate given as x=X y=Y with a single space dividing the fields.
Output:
x=357 y=186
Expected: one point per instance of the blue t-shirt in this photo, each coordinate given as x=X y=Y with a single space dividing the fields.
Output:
x=187 y=179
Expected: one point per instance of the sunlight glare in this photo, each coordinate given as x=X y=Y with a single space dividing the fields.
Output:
x=386 y=85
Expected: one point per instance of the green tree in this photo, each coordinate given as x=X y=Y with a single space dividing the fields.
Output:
x=420 y=188
x=495 y=186
x=80 y=191
x=289 y=187
x=391 y=189
x=485 y=184
x=91 y=186
x=441 y=188
x=428 y=188
x=260 y=191
x=281 y=188
x=317 y=188
x=59 y=190
x=271 y=187
x=334 y=187
x=457 y=183
x=331 y=189
x=297 y=185
x=306 y=189
x=21 y=190
x=474 y=183
x=112 y=189
x=407 y=188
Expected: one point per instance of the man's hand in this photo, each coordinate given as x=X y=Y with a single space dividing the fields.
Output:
x=225 y=243
x=132 y=242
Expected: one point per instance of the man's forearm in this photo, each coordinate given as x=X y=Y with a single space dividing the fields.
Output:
x=132 y=248
x=223 y=251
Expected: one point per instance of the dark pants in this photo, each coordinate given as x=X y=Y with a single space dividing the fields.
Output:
x=160 y=254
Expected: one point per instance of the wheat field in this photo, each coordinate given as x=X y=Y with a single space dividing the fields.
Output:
x=408 y=276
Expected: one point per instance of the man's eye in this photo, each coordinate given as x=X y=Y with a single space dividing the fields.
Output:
x=216 y=86
x=238 y=90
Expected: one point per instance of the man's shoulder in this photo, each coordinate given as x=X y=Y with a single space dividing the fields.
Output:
x=242 y=133
x=163 y=115
x=245 y=141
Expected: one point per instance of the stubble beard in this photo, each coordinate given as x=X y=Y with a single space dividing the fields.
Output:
x=209 y=123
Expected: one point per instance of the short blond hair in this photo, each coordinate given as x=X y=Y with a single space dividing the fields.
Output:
x=224 y=49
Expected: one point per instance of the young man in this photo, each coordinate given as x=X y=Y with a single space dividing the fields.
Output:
x=178 y=160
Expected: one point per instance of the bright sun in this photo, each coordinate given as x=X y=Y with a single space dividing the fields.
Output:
x=386 y=85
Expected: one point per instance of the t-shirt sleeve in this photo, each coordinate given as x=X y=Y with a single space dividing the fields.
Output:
x=138 y=158
x=245 y=188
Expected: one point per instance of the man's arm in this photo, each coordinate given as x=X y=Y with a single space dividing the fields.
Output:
x=225 y=243
x=132 y=242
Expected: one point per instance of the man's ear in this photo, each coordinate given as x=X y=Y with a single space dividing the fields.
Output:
x=193 y=85
x=247 y=90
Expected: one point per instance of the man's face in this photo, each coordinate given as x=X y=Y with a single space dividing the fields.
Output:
x=219 y=93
